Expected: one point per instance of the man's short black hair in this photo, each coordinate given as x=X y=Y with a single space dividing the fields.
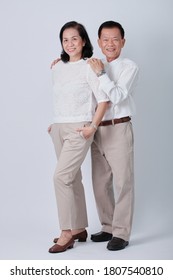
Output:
x=111 y=24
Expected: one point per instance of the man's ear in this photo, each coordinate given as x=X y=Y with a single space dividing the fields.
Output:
x=123 y=42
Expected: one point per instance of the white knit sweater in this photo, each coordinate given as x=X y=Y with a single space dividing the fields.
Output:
x=75 y=92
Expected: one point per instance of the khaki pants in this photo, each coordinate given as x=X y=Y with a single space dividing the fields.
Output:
x=113 y=178
x=71 y=149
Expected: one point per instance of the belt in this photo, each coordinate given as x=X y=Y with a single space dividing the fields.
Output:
x=115 y=121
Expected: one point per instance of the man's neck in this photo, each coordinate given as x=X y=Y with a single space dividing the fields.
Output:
x=110 y=59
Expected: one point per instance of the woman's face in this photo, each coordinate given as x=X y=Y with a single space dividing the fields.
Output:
x=72 y=44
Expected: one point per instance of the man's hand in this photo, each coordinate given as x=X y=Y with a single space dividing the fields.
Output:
x=54 y=62
x=96 y=65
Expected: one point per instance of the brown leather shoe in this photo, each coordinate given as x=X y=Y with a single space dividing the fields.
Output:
x=61 y=248
x=82 y=236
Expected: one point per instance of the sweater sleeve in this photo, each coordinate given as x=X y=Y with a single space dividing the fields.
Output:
x=93 y=82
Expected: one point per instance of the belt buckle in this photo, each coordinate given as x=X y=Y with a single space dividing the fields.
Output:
x=113 y=122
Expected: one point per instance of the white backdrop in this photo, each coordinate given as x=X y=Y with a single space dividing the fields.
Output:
x=29 y=39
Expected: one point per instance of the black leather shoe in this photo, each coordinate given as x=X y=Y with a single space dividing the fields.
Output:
x=101 y=236
x=116 y=244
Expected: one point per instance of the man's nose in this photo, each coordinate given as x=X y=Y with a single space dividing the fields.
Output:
x=110 y=42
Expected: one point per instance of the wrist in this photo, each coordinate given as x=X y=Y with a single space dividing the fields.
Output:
x=94 y=126
x=102 y=72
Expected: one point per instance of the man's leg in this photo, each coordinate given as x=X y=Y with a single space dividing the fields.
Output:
x=119 y=153
x=102 y=184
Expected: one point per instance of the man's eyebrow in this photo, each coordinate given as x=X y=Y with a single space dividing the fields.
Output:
x=107 y=36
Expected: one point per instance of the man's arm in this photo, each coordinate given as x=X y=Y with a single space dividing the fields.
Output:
x=54 y=62
x=117 y=91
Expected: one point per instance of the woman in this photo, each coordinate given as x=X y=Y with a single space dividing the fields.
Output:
x=78 y=110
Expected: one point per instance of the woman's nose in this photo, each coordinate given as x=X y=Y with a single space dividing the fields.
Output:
x=70 y=43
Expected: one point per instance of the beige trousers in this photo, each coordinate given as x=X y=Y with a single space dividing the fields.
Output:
x=113 y=177
x=71 y=149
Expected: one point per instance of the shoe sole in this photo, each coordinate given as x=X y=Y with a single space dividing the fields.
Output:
x=101 y=240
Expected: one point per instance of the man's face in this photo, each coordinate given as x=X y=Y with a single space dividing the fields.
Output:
x=111 y=43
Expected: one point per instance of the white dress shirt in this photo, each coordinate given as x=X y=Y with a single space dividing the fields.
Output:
x=119 y=83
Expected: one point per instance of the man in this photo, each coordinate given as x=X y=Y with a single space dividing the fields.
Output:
x=113 y=148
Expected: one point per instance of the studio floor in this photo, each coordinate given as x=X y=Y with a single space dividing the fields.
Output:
x=33 y=245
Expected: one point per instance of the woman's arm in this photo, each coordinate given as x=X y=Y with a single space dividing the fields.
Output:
x=88 y=131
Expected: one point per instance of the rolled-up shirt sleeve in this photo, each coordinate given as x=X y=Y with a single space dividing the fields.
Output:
x=119 y=89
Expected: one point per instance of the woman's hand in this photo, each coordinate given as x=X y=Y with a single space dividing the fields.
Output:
x=86 y=131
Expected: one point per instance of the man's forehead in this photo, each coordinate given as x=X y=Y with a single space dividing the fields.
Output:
x=110 y=32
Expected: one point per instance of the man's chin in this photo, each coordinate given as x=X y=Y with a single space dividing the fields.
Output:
x=110 y=58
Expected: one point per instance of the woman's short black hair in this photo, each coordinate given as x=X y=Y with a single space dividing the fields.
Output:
x=87 y=49
x=111 y=24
